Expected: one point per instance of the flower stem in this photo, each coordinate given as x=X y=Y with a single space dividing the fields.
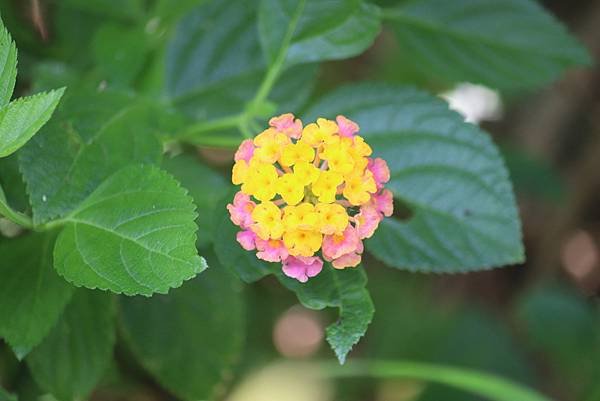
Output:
x=483 y=384
x=16 y=217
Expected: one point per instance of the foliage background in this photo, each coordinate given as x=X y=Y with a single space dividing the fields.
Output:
x=536 y=323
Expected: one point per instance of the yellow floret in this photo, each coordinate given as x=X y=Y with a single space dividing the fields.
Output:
x=333 y=218
x=302 y=242
x=269 y=144
x=239 y=172
x=261 y=181
x=290 y=188
x=307 y=173
x=321 y=132
x=297 y=153
x=303 y=216
x=325 y=188
x=358 y=188
x=268 y=223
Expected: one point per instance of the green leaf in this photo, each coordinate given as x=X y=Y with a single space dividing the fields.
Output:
x=506 y=44
x=317 y=30
x=32 y=295
x=71 y=360
x=206 y=186
x=343 y=289
x=5 y=396
x=120 y=52
x=189 y=340
x=135 y=234
x=90 y=138
x=243 y=263
x=560 y=324
x=448 y=172
x=8 y=66
x=215 y=63
x=22 y=118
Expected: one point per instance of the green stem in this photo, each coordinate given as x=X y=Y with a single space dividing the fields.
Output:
x=277 y=66
x=483 y=384
x=16 y=217
x=197 y=130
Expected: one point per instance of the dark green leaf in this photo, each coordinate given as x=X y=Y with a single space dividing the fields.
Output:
x=320 y=30
x=5 y=396
x=506 y=44
x=215 y=63
x=565 y=328
x=71 y=360
x=447 y=171
x=135 y=234
x=22 y=118
x=120 y=53
x=90 y=138
x=190 y=339
x=8 y=65
x=206 y=186
x=32 y=295
x=343 y=289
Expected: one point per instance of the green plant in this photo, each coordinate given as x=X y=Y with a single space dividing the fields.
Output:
x=117 y=203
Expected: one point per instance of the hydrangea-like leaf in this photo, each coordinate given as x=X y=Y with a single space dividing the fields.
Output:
x=507 y=44
x=22 y=118
x=318 y=30
x=32 y=295
x=72 y=359
x=343 y=289
x=90 y=138
x=215 y=63
x=8 y=66
x=135 y=234
x=165 y=333
x=448 y=172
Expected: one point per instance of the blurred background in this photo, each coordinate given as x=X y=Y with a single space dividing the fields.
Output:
x=536 y=323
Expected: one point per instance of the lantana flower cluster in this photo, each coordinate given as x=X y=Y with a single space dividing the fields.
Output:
x=308 y=193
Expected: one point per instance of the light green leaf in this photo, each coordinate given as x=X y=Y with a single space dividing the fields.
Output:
x=32 y=295
x=448 y=172
x=135 y=234
x=316 y=30
x=215 y=63
x=71 y=360
x=506 y=44
x=206 y=186
x=22 y=118
x=90 y=138
x=343 y=289
x=8 y=66
x=189 y=340
x=243 y=263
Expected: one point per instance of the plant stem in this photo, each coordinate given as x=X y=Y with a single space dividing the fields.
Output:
x=16 y=217
x=196 y=130
x=483 y=384
x=277 y=66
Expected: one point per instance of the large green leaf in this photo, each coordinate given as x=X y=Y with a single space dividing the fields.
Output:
x=8 y=66
x=71 y=360
x=90 y=138
x=32 y=295
x=315 y=30
x=135 y=234
x=447 y=171
x=215 y=63
x=505 y=44
x=190 y=339
x=22 y=118
x=198 y=178
x=343 y=289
